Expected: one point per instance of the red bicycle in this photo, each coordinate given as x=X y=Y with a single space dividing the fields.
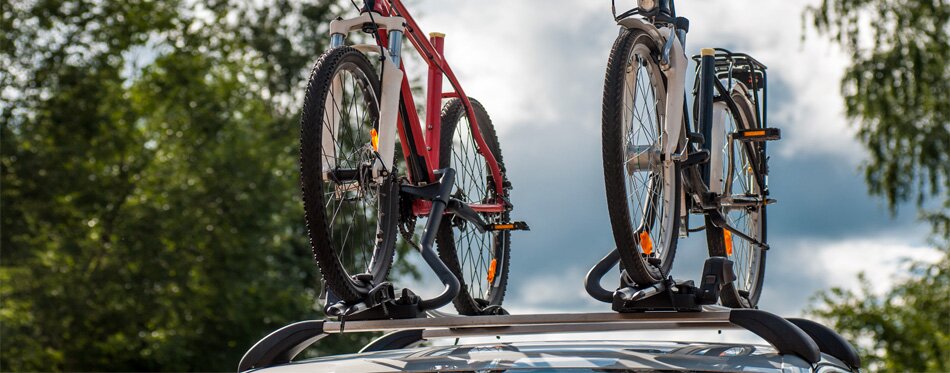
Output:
x=360 y=188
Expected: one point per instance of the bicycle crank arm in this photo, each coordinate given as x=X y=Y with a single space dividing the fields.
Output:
x=720 y=222
x=464 y=211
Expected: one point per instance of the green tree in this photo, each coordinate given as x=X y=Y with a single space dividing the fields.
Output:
x=151 y=217
x=896 y=90
x=905 y=330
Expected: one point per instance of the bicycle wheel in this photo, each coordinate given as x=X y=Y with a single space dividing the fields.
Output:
x=478 y=259
x=642 y=190
x=749 y=259
x=351 y=217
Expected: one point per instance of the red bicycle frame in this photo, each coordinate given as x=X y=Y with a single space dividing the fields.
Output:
x=431 y=49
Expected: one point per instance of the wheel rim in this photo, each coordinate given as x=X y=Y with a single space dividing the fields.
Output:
x=648 y=180
x=351 y=207
x=480 y=253
x=744 y=254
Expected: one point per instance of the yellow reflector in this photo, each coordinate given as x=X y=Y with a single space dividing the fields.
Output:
x=374 y=139
x=754 y=133
x=727 y=237
x=491 y=270
x=646 y=243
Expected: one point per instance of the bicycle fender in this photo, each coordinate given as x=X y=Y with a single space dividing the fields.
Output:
x=636 y=23
x=676 y=78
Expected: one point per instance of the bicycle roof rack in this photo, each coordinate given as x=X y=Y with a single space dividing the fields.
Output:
x=803 y=338
x=666 y=305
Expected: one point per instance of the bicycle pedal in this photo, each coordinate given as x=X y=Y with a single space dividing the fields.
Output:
x=695 y=158
x=513 y=226
x=757 y=134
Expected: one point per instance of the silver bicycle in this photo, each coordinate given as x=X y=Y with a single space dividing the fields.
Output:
x=660 y=167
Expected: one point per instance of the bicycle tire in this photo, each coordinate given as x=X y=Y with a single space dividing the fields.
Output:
x=750 y=266
x=475 y=295
x=643 y=265
x=329 y=249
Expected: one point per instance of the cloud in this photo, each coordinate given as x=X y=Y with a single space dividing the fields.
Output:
x=534 y=63
x=803 y=74
x=800 y=270
x=883 y=258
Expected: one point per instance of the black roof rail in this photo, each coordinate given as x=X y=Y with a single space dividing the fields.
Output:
x=802 y=338
x=282 y=345
x=785 y=336
x=394 y=340
x=829 y=342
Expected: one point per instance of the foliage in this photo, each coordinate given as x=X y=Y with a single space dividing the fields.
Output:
x=150 y=210
x=896 y=90
x=905 y=330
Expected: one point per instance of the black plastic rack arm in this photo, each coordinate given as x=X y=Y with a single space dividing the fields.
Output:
x=806 y=340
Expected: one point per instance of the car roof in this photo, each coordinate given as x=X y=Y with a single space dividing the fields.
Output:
x=569 y=355
x=792 y=343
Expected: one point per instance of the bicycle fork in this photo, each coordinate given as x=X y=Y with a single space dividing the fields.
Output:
x=384 y=142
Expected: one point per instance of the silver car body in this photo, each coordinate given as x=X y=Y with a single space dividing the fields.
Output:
x=568 y=356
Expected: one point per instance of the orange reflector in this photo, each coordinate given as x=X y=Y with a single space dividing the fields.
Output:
x=491 y=270
x=754 y=133
x=374 y=139
x=502 y=227
x=646 y=243
x=727 y=237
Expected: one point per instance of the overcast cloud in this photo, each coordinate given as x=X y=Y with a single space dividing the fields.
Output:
x=538 y=67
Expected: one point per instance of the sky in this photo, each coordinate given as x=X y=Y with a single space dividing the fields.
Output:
x=538 y=67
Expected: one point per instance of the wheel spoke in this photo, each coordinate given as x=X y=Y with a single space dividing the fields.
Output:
x=475 y=249
x=645 y=190
x=351 y=206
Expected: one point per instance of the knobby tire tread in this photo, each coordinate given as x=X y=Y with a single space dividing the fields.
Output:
x=452 y=114
x=334 y=275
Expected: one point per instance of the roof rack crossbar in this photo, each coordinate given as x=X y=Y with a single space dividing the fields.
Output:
x=572 y=328
x=284 y=344
x=553 y=321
